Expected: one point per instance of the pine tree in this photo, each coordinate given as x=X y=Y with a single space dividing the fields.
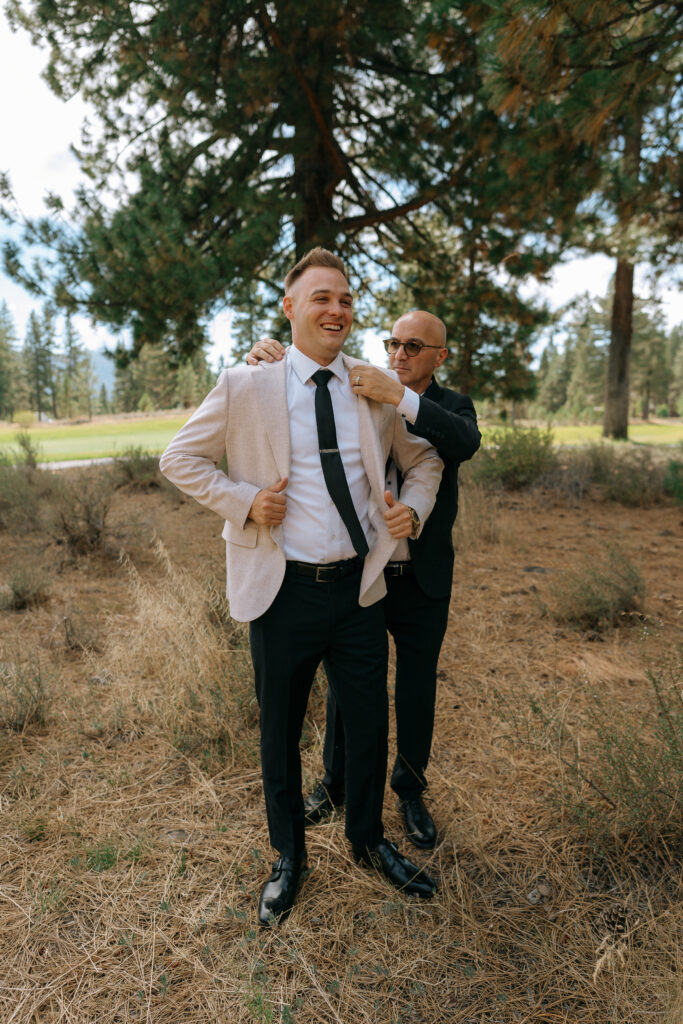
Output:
x=675 y=364
x=75 y=377
x=51 y=358
x=552 y=379
x=10 y=365
x=103 y=403
x=465 y=265
x=251 y=134
x=38 y=363
x=609 y=71
x=187 y=390
x=651 y=374
x=268 y=129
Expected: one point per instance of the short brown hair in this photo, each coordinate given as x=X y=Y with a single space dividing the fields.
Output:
x=317 y=257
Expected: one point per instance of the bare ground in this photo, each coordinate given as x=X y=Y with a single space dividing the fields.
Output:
x=132 y=831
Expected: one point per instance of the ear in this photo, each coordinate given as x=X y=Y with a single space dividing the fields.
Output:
x=442 y=356
x=287 y=307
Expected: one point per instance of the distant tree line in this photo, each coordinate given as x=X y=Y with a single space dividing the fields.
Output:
x=51 y=374
x=570 y=381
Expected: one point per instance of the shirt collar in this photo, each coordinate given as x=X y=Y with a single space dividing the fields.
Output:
x=304 y=367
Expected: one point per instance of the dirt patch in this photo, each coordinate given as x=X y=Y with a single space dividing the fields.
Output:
x=133 y=853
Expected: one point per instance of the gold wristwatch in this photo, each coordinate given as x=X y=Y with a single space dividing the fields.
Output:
x=415 y=520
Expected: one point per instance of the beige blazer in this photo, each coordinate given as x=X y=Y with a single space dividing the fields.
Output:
x=245 y=417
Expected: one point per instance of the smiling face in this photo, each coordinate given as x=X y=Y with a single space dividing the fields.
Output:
x=320 y=307
x=416 y=371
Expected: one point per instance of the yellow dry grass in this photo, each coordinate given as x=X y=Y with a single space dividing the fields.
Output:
x=133 y=842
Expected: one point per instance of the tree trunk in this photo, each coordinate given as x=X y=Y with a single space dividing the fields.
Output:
x=615 y=422
x=645 y=411
x=317 y=167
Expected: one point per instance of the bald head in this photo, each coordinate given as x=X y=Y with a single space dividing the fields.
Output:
x=423 y=324
x=430 y=332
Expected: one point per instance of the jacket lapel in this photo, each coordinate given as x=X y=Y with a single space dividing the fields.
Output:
x=270 y=388
x=368 y=437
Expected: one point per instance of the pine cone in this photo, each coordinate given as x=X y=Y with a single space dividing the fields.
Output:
x=615 y=921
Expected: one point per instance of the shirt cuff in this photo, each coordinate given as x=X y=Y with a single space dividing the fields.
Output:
x=409 y=406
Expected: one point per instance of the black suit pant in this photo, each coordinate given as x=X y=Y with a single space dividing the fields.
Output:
x=417 y=624
x=309 y=621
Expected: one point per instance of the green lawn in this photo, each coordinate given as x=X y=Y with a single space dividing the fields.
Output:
x=661 y=432
x=98 y=439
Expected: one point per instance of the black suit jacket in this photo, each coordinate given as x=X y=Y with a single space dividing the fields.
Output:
x=448 y=421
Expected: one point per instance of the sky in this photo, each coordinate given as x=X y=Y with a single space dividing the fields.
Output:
x=36 y=130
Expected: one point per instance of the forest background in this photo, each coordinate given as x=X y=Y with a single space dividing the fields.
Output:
x=452 y=153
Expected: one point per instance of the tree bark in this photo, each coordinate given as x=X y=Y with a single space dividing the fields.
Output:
x=615 y=421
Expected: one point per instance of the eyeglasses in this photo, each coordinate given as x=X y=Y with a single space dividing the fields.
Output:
x=411 y=348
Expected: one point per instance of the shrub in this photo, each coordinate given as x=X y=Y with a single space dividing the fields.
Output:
x=24 y=418
x=673 y=481
x=21 y=491
x=138 y=467
x=80 y=632
x=29 y=451
x=599 y=593
x=16 y=495
x=621 y=770
x=24 y=695
x=78 y=516
x=629 y=477
x=635 y=479
x=515 y=457
x=25 y=588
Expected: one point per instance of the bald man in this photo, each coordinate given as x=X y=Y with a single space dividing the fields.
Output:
x=419 y=574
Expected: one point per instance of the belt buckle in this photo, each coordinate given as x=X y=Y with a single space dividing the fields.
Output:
x=319 y=574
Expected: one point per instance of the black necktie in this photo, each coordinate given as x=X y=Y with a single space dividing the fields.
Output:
x=330 y=460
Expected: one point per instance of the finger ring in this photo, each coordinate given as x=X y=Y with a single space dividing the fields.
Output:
x=356 y=380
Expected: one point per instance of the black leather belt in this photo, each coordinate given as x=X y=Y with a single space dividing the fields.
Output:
x=328 y=572
x=398 y=568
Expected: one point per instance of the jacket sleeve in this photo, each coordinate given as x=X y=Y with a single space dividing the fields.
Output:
x=190 y=461
x=420 y=468
x=453 y=432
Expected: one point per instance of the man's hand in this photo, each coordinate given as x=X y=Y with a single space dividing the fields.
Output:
x=270 y=505
x=371 y=382
x=397 y=517
x=267 y=349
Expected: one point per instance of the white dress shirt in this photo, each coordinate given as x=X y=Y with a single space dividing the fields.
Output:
x=409 y=407
x=313 y=530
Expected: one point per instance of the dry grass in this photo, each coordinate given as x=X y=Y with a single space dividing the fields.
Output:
x=132 y=861
x=187 y=662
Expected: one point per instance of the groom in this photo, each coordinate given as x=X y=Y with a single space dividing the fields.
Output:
x=309 y=529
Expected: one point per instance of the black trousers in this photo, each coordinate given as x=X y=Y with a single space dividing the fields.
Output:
x=418 y=625
x=309 y=621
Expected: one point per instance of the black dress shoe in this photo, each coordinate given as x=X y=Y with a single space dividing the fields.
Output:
x=320 y=804
x=405 y=875
x=420 y=827
x=279 y=892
